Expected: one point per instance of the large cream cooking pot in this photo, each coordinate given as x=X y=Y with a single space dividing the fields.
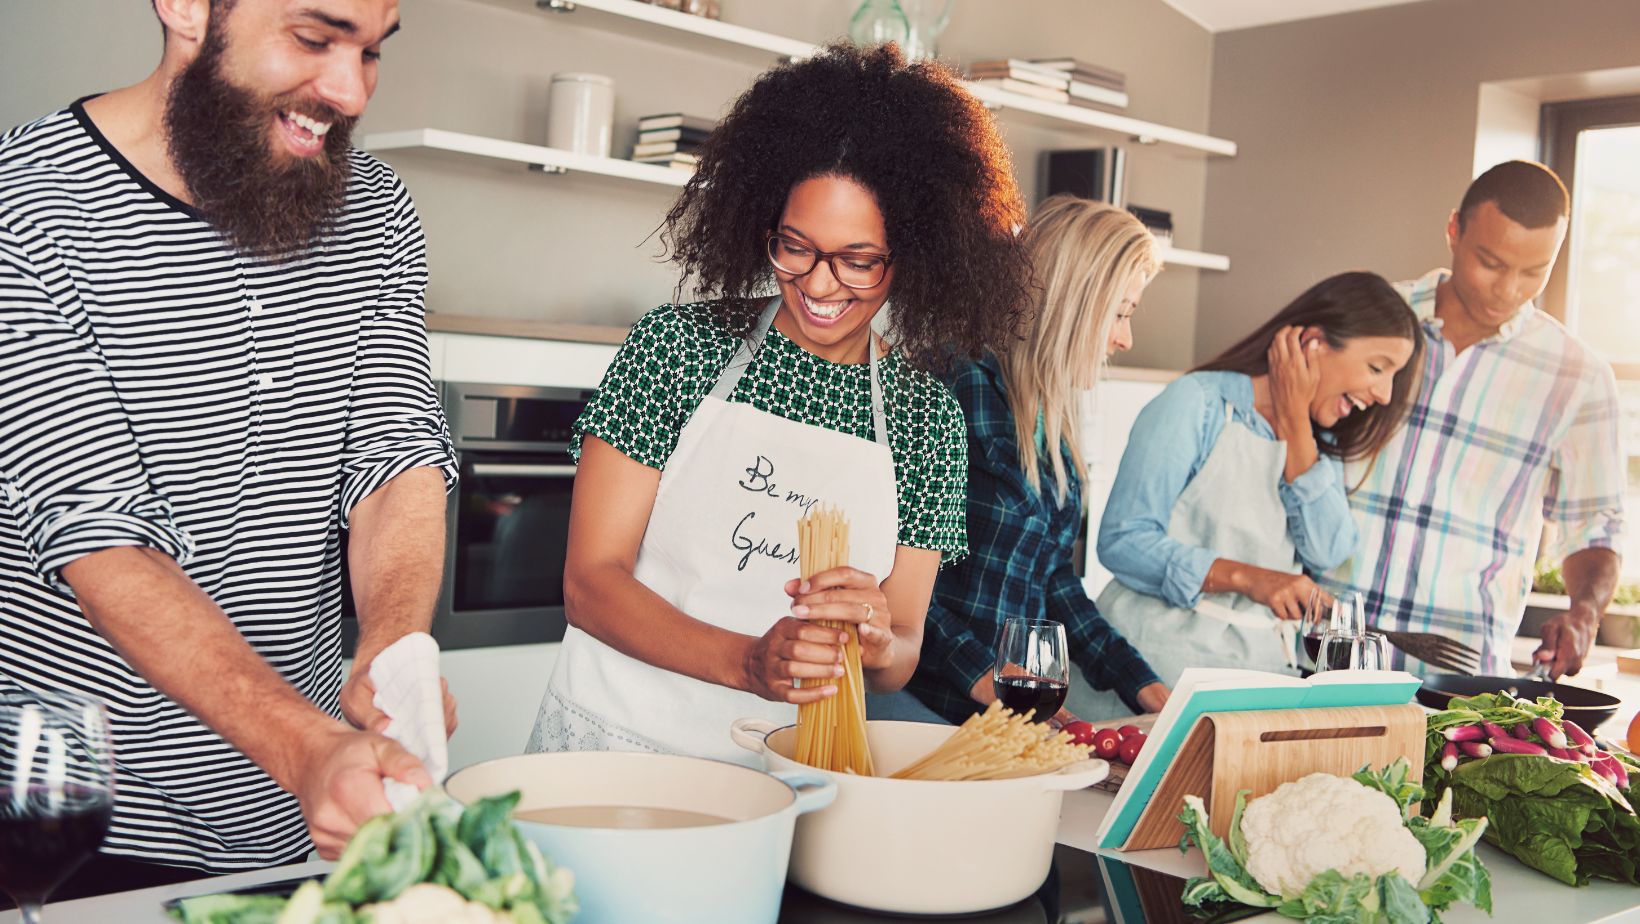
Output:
x=920 y=846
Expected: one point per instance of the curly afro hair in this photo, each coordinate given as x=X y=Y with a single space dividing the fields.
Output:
x=918 y=141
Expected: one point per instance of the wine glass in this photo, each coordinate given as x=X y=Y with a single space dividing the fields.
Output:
x=56 y=791
x=1032 y=672
x=1347 y=649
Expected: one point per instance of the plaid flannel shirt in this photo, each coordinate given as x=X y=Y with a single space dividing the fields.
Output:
x=1519 y=429
x=1020 y=552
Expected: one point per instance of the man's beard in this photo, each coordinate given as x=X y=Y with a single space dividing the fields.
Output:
x=221 y=139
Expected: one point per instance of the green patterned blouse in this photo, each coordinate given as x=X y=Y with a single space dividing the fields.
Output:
x=675 y=353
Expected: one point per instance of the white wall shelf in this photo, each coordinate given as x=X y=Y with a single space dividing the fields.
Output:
x=1195 y=258
x=709 y=36
x=555 y=161
x=683 y=30
x=551 y=160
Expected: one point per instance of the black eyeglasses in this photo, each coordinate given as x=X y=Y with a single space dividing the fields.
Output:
x=852 y=268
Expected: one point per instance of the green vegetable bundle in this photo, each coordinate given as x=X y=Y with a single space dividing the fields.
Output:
x=477 y=853
x=1569 y=816
x=1450 y=872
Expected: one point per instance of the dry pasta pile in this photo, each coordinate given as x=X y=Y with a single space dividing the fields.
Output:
x=997 y=744
x=831 y=734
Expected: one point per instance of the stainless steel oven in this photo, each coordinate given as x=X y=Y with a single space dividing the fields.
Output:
x=508 y=518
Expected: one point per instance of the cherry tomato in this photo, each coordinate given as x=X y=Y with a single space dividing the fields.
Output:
x=1106 y=743
x=1129 y=750
x=1080 y=732
x=1128 y=731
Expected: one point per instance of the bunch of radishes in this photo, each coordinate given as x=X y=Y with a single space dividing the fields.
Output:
x=1541 y=737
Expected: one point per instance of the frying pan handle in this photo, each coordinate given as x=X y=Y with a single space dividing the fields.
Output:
x=1539 y=671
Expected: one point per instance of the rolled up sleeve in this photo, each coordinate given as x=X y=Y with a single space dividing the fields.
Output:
x=1587 y=480
x=394 y=421
x=70 y=468
x=1159 y=461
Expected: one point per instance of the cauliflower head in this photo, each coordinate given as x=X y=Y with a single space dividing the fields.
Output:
x=1321 y=822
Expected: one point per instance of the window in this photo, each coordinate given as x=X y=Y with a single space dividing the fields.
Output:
x=1594 y=145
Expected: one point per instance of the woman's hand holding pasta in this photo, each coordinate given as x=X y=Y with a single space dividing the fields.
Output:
x=796 y=649
x=849 y=595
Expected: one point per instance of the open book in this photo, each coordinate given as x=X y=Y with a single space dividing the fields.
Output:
x=1203 y=690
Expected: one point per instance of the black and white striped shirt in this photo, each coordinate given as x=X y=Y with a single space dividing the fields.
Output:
x=158 y=389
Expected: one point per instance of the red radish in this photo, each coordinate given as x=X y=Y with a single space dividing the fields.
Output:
x=1128 y=731
x=1465 y=733
x=1522 y=732
x=1612 y=769
x=1576 y=735
x=1493 y=729
x=1516 y=746
x=1603 y=767
x=1449 y=756
x=1107 y=743
x=1129 y=750
x=1548 y=733
x=1477 y=749
x=1080 y=732
x=1563 y=754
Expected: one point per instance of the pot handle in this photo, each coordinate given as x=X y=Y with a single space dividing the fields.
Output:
x=1080 y=778
x=814 y=790
x=751 y=733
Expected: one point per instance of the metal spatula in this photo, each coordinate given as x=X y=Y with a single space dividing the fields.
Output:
x=1435 y=650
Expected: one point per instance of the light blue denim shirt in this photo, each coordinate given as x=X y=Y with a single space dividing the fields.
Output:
x=1169 y=444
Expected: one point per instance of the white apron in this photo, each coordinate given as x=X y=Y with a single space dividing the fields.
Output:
x=1232 y=506
x=720 y=545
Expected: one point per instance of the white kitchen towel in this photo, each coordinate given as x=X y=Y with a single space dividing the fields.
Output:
x=406 y=678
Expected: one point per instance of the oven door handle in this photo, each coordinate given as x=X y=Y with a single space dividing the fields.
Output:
x=521 y=470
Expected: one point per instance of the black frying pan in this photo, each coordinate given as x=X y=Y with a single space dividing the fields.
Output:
x=1587 y=708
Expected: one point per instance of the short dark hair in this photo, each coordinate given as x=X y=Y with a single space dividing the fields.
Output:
x=1528 y=193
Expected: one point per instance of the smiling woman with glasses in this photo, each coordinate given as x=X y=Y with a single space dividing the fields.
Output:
x=833 y=184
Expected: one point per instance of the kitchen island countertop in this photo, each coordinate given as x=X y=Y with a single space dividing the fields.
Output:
x=1519 y=893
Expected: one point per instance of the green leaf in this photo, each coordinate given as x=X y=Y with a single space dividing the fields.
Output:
x=1238 y=842
x=1401 y=902
x=1231 y=876
x=481 y=820
x=349 y=881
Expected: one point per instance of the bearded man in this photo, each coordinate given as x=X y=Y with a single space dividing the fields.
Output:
x=212 y=360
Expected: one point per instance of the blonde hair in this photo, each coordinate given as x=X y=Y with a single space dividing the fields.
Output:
x=1084 y=255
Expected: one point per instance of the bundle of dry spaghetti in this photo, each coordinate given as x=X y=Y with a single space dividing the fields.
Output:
x=997 y=744
x=831 y=734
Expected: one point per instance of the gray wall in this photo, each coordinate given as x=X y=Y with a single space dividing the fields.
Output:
x=508 y=243
x=1357 y=136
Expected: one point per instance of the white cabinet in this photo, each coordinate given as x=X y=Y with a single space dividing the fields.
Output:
x=1110 y=414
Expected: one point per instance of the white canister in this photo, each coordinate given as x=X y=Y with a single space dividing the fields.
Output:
x=581 y=113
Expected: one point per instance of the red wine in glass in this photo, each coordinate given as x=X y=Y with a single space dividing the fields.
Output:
x=56 y=791
x=45 y=838
x=1026 y=694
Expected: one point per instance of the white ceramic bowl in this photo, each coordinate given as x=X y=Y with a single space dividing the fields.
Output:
x=921 y=846
x=730 y=873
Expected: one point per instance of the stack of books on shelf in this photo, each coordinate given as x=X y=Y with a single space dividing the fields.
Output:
x=1088 y=84
x=1022 y=77
x=671 y=139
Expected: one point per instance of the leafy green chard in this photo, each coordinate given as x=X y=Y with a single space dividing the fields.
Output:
x=1452 y=873
x=1558 y=817
x=477 y=853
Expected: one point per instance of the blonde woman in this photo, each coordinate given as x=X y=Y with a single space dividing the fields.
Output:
x=1091 y=261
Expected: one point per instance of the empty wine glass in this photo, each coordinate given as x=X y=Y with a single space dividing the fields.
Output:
x=1032 y=672
x=56 y=791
